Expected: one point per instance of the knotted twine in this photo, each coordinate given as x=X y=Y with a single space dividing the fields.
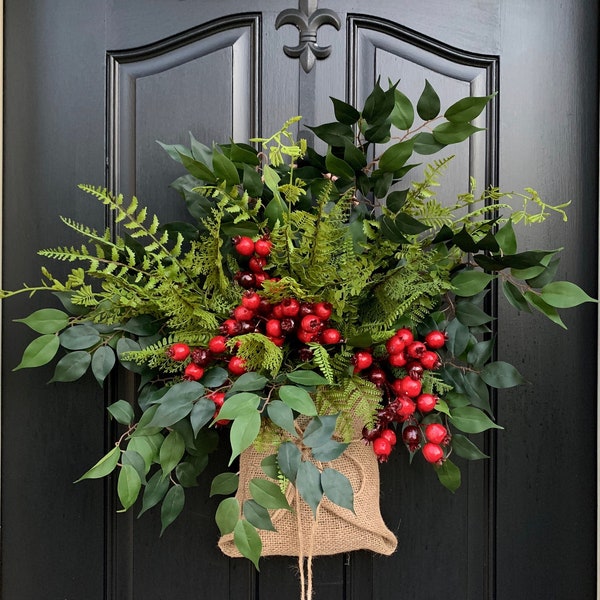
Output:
x=333 y=529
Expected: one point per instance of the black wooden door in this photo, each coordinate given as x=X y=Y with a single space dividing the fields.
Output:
x=90 y=86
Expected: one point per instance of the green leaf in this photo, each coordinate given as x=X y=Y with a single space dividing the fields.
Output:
x=337 y=488
x=514 y=296
x=128 y=486
x=147 y=446
x=333 y=134
x=197 y=169
x=243 y=154
x=298 y=399
x=308 y=484
x=289 y=458
x=227 y=515
x=202 y=412
x=215 y=377
x=243 y=432
x=378 y=105
x=154 y=492
x=239 y=404
x=125 y=345
x=257 y=515
x=379 y=133
x=252 y=181
x=187 y=473
x=307 y=378
x=172 y=506
x=338 y=167
x=480 y=353
x=392 y=231
x=248 y=382
x=171 y=452
x=143 y=325
x=456 y=400
x=428 y=105
x=506 y=238
x=564 y=294
x=467 y=109
x=478 y=391
x=465 y=448
x=501 y=375
x=381 y=183
x=449 y=475
x=454 y=133
x=472 y=420
x=72 y=366
x=471 y=315
x=247 y=541
x=329 y=451
x=269 y=466
x=175 y=151
x=133 y=458
x=177 y=403
x=282 y=416
x=225 y=169
x=267 y=494
x=103 y=361
x=39 y=352
x=344 y=113
x=396 y=200
x=424 y=143
x=354 y=156
x=403 y=115
x=121 y=411
x=470 y=282
x=396 y=156
x=547 y=310
x=547 y=275
x=46 y=320
x=79 y=337
x=104 y=466
x=458 y=337
x=224 y=484
x=319 y=431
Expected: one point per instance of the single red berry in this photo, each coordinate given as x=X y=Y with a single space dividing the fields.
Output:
x=244 y=245
x=436 y=433
x=278 y=341
x=406 y=408
x=306 y=308
x=311 y=323
x=256 y=264
x=290 y=307
x=409 y=386
x=306 y=336
x=218 y=398
x=178 y=351
x=217 y=344
x=394 y=345
x=273 y=328
x=397 y=360
x=415 y=349
x=406 y=335
x=241 y=313
x=415 y=370
x=237 y=365
x=436 y=339
x=382 y=449
x=247 y=280
x=259 y=278
x=433 y=453
x=288 y=325
x=330 y=336
x=263 y=247
x=305 y=354
x=323 y=310
x=426 y=402
x=277 y=312
x=251 y=300
x=370 y=435
x=377 y=376
x=411 y=436
x=201 y=356
x=389 y=435
x=230 y=327
x=193 y=372
x=362 y=360
x=430 y=360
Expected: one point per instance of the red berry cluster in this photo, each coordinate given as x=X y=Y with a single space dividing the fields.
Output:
x=404 y=395
x=256 y=252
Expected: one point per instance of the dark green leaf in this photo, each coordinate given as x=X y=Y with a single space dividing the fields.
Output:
x=177 y=403
x=465 y=448
x=79 y=337
x=282 y=416
x=319 y=431
x=471 y=315
x=125 y=345
x=547 y=310
x=171 y=452
x=244 y=154
x=344 y=113
x=501 y=374
x=515 y=297
x=547 y=275
x=403 y=115
x=147 y=446
x=354 y=156
x=154 y=492
x=247 y=541
x=472 y=420
x=197 y=169
x=470 y=282
x=392 y=231
x=104 y=466
x=267 y=494
x=564 y=294
x=465 y=242
x=187 y=474
x=46 y=320
x=379 y=104
x=257 y=515
x=396 y=156
x=215 y=377
x=227 y=515
x=128 y=486
x=478 y=391
x=252 y=182
x=225 y=169
x=531 y=258
x=133 y=458
x=425 y=144
x=308 y=484
x=467 y=109
x=39 y=352
x=175 y=151
x=458 y=337
x=453 y=133
x=269 y=466
x=288 y=459
x=428 y=105
x=480 y=353
x=172 y=506
x=337 y=488
x=72 y=366
x=381 y=183
x=506 y=238
x=333 y=134
x=329 y=451
x=248 y=382
x=224 y=484
x=395 y=201
x=121 y=411
x=378 y=133
x=202 y=412
x=305 y=377
x=103 y=361
x=456 y=400
x=297 y=399
x=449 y=475
x=200 y=151
x=243 y=432
x=338 y=167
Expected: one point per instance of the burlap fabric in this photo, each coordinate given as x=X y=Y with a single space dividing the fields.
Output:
x=335 y=529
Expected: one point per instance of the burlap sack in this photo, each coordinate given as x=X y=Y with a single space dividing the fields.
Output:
x=335 y=529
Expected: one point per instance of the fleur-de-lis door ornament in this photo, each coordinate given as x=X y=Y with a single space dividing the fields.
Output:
x=307 y=18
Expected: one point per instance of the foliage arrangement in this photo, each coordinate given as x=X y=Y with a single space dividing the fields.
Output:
x=310 y=294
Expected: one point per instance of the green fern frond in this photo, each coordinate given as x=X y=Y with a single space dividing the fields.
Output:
x=258 y=352
x=321 y=359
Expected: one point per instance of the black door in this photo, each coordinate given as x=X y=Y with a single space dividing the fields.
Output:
x=90 y=86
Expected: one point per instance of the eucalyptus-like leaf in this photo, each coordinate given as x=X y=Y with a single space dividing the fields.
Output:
x=239 y=404
x=128 y=485
x=154 y=492
x=257 y=515
x=298 y=399
x=501 y=374
x=247 y=382
x=227 y=515
x=202 y=412
x=282 y=416
x=329 y=451
x=319 y=431
x=103 y=361
x=79 y=337
x=171 y=452
x=307 y=378
x=289 y=458
x=308 y=484
x=269 y=466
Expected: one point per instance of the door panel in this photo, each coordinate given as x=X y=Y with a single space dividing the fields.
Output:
x=88 y=93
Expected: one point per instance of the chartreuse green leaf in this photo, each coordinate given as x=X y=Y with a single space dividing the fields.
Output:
x=564 y=294
x=428 y=105
x=403 y=114
x=449 y=475
x=465 y=448
x=171 y=452
x=470 y=282
x=267 y=494
x=243 y=432
x=104 y=466
x=39 y=352
x=172 y=506
x=227 y=515
x=239 y=404
x=289 y=459
x=46 y=320
x=282 y=416
x=308 y=484
x=257 y=515
x=337 y=488
x=154 y=492
x=472 y=420
x=298 y=399
x=224 y=484
x=247 y=541
x=121 y=411
x=501 y=375
x=72 y=366
x=103 y=361
x=307 y=378
x=128 y=486
x=467 y=109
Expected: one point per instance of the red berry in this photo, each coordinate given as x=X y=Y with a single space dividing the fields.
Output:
x=230 y=327
x=277 y=312
x=389 y=435
x=394 y=345
x=415 y=370
x=430 y=360
x=251 y=300
x=382 y=449
x=247 y=280
x=237 y=365
x=244 y=246
x=377 y=376
x=201 y=356
x=278 y=341
x=397 y=360
x=306 y=336
x=306 y=308
x=241 y=313
x=371 y=434
x=259 y=278
x=436 y=433
x=406 y=408
x=193 y=372
x=330 y=336
x=433 y=453
x=362 y=360
x=218 y=398
x=406 y=335
x=273 y=328
x=416 y=349
x=436 y=339
x=311 y=323
x=290 y=307
x=178 y=351
x=411 y=436
x=256 y=264
x=217 y=344
x=323 y=310
x=409 y=386
x=426 y=402
x=262 y=247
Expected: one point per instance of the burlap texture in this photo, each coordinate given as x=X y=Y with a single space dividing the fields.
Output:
x=336 y=529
